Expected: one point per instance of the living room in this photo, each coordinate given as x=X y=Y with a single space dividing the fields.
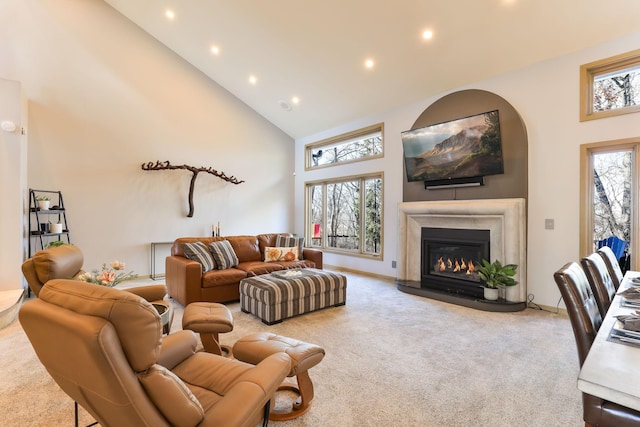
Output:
x=103 y=121
x=99 y=96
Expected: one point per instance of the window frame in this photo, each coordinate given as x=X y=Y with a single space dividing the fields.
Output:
x=335 y=140
x=587 y=193
x=589 y=71
x=308 y=233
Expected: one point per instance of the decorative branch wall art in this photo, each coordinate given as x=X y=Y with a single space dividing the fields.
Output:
x=195 y=171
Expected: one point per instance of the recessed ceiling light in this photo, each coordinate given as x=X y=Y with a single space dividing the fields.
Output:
x=427 y=34
x=295 y=100
x=169 y=14
x=253 y=79
x=369 y=63
x=215 y=50
x=284 y=105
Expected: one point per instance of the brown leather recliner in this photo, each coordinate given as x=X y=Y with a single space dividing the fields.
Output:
x=65 y=262
x=104 y=347
x=586 y=320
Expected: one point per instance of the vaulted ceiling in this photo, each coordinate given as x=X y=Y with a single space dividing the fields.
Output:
x=315 y=53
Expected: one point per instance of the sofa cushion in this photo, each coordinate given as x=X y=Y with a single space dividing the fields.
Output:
x=222 y=277
x=303 y=263
x=223 y=254
x=286 y=240
x=281 y=254
x=255 y=268
x=246 y=248
x=198 y=251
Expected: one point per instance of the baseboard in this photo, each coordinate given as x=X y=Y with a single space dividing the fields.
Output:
x=353 y=270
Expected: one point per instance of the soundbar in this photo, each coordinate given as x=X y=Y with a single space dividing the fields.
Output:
x=436 y=184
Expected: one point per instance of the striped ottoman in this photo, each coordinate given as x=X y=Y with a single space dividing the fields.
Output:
x=287 y=293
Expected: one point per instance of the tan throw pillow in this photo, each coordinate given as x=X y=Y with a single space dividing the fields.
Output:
x=280 y=254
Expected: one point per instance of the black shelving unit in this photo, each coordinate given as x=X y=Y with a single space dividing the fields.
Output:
x=39 y=220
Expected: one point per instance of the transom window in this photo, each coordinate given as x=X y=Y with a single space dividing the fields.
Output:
x=610 y=87
x=363 y=144
x=345 y=215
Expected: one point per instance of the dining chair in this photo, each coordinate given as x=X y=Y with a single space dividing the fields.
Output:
x=599 y=280
x=585 y=319
x=612 y=265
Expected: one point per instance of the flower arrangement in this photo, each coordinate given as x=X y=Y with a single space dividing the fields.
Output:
x=110 y=275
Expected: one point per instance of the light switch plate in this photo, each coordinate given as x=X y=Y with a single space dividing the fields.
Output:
x=549 y=224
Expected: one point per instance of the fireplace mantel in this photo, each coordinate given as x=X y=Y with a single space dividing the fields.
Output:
x=505 y=218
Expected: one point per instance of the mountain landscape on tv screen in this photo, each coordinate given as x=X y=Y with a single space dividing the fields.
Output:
x=474 y=151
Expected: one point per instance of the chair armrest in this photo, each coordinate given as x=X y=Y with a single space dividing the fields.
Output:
x=183 y=279
x=251 y=391
x=269 y=373
x=314 y=255
x=177 y=347
x=150 y=292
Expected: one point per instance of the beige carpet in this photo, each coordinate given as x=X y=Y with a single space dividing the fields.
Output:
x=392 y=359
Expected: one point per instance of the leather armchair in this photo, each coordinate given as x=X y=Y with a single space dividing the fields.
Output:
x=104 y=347
x=586 y=320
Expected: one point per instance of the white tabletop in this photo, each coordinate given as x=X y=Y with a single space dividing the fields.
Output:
x=611 y=370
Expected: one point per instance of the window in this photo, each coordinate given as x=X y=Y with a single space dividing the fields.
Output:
x=609 y=174
x=610 y=87
x=363 y=144
x=345 y=215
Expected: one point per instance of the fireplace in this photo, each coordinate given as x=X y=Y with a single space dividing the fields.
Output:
x=449 y=258
x=504 y=219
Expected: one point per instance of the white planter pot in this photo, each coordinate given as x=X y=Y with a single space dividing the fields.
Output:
x=491 y=294
x=55 y=228
x=43 y=204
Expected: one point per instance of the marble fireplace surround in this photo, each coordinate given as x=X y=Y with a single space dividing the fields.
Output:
x=504 y=218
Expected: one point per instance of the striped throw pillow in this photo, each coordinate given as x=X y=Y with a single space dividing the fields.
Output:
x=223 y=254
x=287 y=241
x=197 y=251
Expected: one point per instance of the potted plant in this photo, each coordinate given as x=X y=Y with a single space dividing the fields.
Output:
x=55 y=228
x=496 y=276
x=55 y=244
x=43 y=202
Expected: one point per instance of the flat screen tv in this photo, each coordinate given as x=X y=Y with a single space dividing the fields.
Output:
x=462 y=148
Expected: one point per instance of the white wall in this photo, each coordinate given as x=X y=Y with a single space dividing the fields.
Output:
x=547 y=97
x=13 y=181
x=105 y=97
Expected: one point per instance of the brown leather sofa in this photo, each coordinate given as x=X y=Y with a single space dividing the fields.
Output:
x=187 y=284
x=104 y=347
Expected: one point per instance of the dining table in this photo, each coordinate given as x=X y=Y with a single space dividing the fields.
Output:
x=611 y=370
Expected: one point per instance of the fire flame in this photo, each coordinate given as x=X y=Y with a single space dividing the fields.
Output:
x=455 y=265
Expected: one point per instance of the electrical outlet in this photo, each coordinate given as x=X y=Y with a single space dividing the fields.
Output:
x=393 y=264
x=549 y=224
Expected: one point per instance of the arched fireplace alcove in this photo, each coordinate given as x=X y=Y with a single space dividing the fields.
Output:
x=498 y=206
